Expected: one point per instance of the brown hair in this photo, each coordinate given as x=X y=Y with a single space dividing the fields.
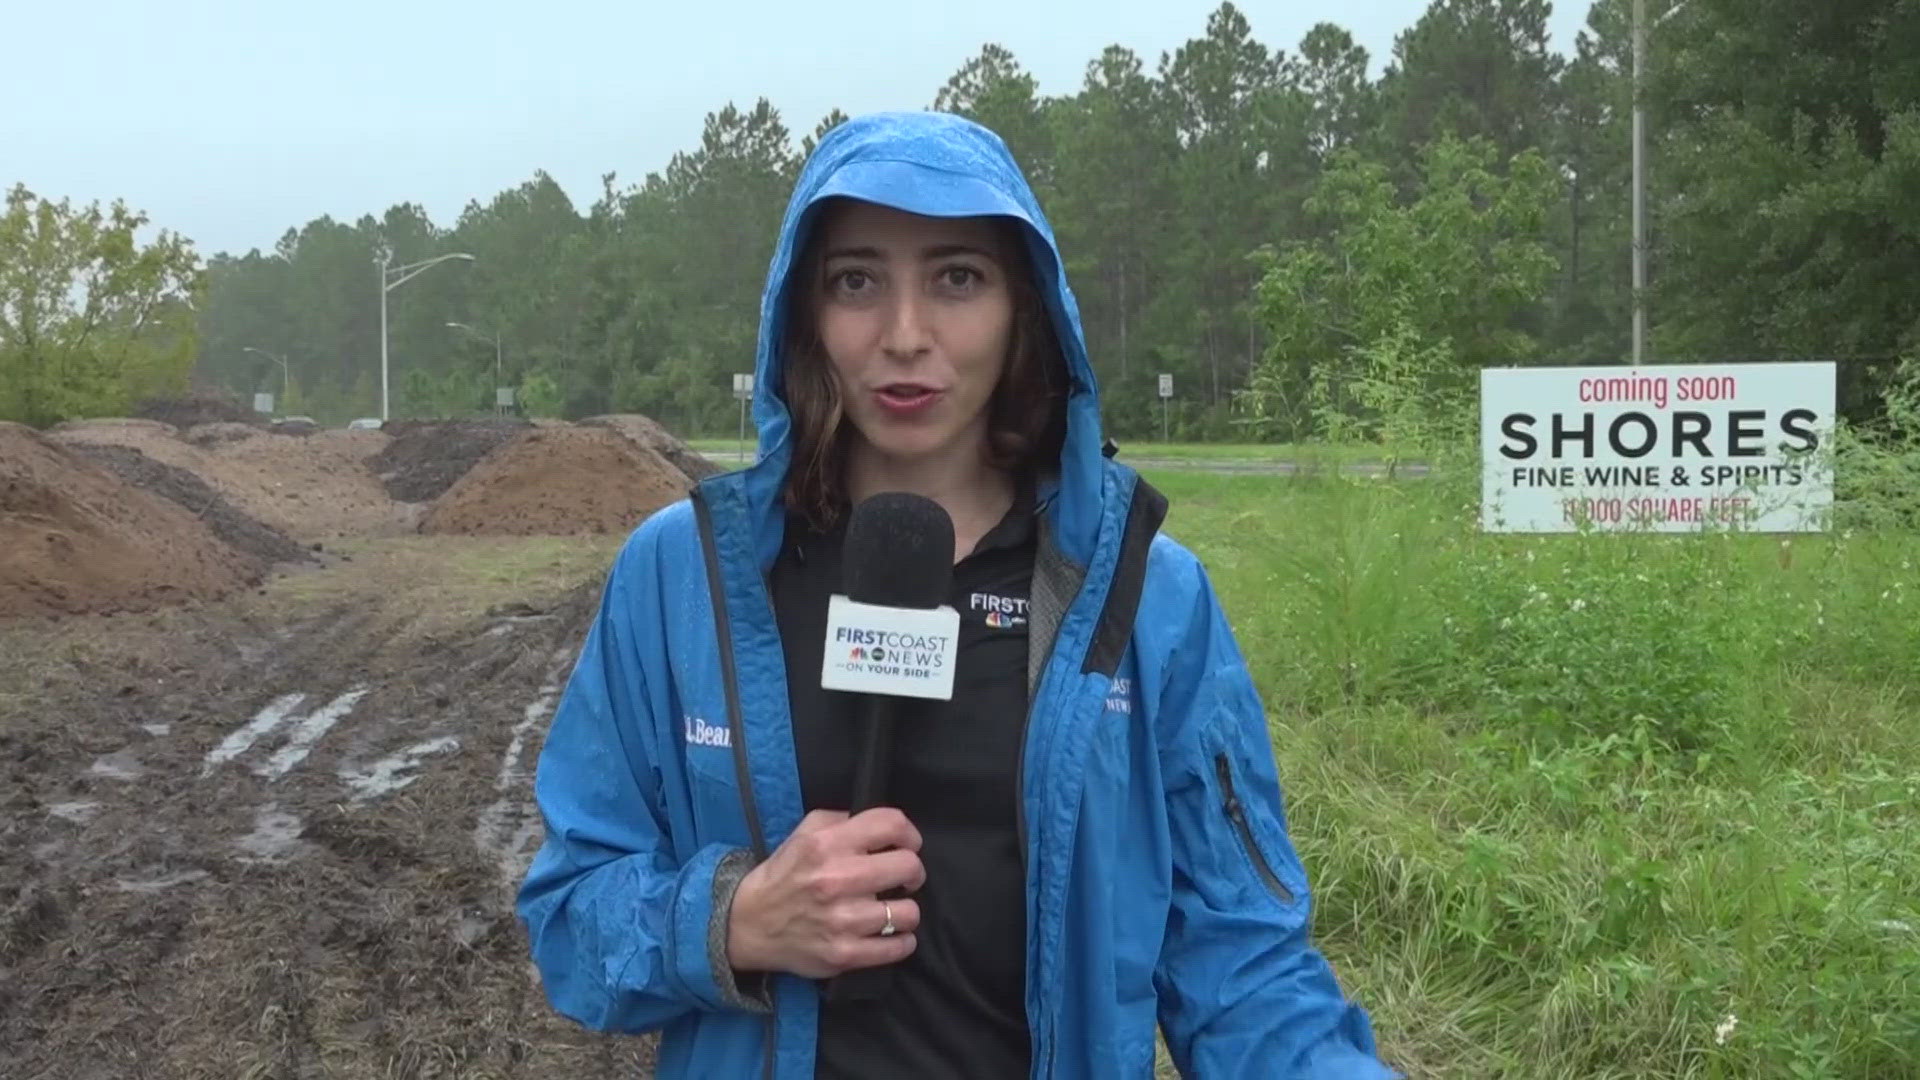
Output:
x=1026 y=415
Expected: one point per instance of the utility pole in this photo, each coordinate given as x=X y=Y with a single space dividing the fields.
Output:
x=1640 y=31
x=743 y=393
x=1639 y=183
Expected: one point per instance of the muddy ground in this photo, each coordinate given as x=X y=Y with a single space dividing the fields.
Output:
x=276 y=835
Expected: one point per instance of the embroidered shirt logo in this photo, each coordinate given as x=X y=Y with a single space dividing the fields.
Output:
x=1002 y=612
x=701 y=733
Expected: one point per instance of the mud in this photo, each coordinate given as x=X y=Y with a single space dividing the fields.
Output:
x=426 y=457
x=277 y=837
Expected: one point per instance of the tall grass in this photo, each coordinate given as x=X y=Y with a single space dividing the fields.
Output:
x=1589 y=806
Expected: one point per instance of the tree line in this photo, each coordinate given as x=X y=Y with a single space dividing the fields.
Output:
x=1309 y=249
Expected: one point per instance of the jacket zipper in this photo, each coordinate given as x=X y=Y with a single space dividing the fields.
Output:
x=1237 y=814
x=723 y=631
x=1020 y=789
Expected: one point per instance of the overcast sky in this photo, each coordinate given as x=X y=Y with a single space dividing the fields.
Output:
x=233 y=120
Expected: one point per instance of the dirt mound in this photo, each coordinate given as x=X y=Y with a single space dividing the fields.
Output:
x=426 y=457
x=264 y=542
x=76 y=538
x=648 y=433
x=219 y=432
x=185 y=412
x=362 y=445
x=310 y=487
x=114 y=424
x=558 y=481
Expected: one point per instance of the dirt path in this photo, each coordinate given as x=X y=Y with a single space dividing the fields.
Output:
x=276 y=836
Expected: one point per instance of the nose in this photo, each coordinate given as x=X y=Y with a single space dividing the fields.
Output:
x=908 y=333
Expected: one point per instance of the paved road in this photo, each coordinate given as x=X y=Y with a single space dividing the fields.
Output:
x=1231 y=466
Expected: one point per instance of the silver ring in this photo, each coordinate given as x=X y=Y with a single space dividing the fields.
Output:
x=888 y=930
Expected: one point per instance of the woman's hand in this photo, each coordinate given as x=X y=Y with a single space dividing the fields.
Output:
x=812 y=907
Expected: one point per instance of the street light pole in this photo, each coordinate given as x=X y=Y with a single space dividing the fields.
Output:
x=496 y=356
x=384 y=257
x=392 y=278
x=286 y=377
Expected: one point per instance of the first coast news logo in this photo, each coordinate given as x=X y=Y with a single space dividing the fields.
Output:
x=892 y=652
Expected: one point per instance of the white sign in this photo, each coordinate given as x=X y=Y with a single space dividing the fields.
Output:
x=743 y=385
x=263 y=403
x=1660 y=449
x=503 y=396
x=1166 y=386
x=888 y=650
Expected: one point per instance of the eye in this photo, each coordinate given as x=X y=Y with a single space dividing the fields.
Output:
x=851 y=282
x=960 y=277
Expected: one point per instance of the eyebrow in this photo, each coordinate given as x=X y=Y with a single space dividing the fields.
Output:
x=938 y=251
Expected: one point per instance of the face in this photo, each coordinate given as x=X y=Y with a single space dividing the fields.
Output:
x=915 y=314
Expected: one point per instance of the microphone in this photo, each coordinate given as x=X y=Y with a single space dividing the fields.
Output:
x=890 y=638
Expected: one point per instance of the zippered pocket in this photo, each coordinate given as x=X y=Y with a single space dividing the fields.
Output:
x=1237 y=814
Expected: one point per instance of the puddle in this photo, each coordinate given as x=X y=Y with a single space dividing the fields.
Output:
x=166 y=881
x=469 y=930
x=157 y=729
x=274 y=836
x=121 y=765
x=536 y=712
x=509 y=829
x=73 y=811
x=283 y=710
x=307 y=732
x=395 y=771
x=241 y=741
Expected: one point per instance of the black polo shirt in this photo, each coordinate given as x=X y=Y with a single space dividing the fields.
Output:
x=957 y=1007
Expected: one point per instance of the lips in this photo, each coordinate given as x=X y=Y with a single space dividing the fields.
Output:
x=905 y=399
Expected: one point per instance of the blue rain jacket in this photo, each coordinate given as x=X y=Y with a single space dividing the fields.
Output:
x=1162 y=885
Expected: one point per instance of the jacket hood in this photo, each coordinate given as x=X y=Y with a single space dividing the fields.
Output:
x=936 y=165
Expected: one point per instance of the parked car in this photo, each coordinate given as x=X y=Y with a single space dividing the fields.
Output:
x=365 y=423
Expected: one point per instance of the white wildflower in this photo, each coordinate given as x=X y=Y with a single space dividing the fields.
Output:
x=1724 y=1028
x=1577 y=604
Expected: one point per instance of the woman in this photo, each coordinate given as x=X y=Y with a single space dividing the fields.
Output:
x=1086 y=840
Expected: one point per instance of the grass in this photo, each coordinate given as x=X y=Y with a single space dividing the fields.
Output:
x=1254 y=452
x=438 y=582
x=1589 y=806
